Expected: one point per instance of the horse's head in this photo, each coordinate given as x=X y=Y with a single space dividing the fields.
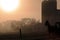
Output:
x=47 y=23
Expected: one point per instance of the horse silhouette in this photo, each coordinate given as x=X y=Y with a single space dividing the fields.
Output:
x=51 y=29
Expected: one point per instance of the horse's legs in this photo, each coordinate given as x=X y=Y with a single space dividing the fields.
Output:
x=50 y=36
x=53 y=36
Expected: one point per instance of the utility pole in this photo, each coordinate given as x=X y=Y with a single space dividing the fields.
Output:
x=20 y=34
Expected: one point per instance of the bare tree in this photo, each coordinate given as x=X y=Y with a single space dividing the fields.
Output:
x=29 y=24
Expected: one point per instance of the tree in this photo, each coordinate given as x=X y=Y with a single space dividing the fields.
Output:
x=15 y=25
x=28 y=21
x=29 y=24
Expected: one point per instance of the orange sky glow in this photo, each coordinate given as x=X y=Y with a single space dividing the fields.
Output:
x=26 y=9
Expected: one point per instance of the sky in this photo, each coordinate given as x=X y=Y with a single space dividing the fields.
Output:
x=58 y=4
x=27 y=9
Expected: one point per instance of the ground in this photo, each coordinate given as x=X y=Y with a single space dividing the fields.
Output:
x=29 y=37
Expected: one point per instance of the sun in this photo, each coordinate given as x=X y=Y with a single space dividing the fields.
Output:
x=9 y=5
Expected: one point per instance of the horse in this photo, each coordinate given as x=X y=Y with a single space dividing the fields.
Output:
x=51 y=29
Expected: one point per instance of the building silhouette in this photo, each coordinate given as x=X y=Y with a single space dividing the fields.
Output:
x=50 y=11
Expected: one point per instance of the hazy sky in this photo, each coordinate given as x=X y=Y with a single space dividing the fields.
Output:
x=58 y=4
x=28 y=9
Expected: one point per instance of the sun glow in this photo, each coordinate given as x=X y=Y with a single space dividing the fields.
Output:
x=9 y=5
